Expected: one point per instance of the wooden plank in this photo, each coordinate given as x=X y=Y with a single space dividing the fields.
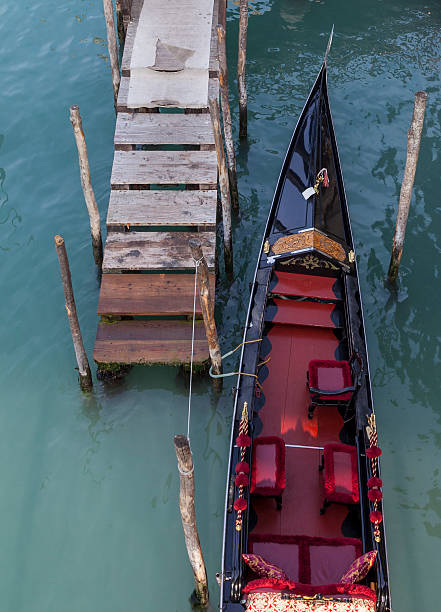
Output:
x=128 y=47
x=135 y=11
x=149 y=294
x=148 y=342
x=213 y=92
x=162 y=207
x=214 y=60
x=155 y=250
x=163 y=129
x=164 y=167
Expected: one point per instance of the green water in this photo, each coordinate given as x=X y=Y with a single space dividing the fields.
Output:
x=88 y=511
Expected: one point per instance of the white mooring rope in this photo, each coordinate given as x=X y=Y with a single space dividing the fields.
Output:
x=196 y=266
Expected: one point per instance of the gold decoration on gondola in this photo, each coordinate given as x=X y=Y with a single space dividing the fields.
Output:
x=243 y=431
x=351 y=257
x=322 y=177
x=309 y=262
x=375 y=452
x=266 y=247
x=307 y=240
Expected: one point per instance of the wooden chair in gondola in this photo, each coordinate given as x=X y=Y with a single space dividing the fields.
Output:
x=339 y=462
x=268 y=468
x=333 y=383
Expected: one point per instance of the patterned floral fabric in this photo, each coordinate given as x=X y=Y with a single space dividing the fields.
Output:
x=273 y=602
x=359 y=568
x=263 y=568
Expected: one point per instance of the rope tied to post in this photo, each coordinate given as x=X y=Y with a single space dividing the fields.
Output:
x=210 y=371
x=187 y=473
x=197 y=263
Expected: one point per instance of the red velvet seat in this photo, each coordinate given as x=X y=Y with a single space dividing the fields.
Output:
x=341 y=475
x=268 y=468
x=330 y=383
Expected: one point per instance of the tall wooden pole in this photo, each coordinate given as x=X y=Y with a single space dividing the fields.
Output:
x=188 y=516
x=71 y=309
x=112 y=46
x=226 y=115
x=86 y=183
x=413 y=148
x=241 y=63
x=224 y=187
x=207 y=307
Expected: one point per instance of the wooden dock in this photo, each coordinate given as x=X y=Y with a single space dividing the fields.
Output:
x=163 y=191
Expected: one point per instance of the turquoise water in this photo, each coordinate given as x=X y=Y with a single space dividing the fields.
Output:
x=88 y=512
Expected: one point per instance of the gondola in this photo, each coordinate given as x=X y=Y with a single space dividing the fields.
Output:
x=304 y=526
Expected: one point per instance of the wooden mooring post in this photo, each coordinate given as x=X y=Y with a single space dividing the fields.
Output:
x=224 y=187
x=71 y=309
x=86 y=184
x=413 y=148
x=241 y=63
x=207 y=308
x=112 y=46
x=188 y=516
x=226 y=115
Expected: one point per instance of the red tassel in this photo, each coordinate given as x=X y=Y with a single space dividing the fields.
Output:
x=375 y=516
x=373 y=452
x=240 y=504
x=374 y=482
x=243 y=440
x=375 y=495
x=325 y=178
x=241 y=480
x=242 y=468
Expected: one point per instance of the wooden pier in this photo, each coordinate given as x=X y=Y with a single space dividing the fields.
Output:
x=163 y=193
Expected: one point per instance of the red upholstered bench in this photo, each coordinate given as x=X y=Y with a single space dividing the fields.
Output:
x=268 y=468
x=306 y=559
x=341 y=475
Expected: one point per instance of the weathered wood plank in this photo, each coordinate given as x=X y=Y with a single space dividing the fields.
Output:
x=149 y=294
x=135 y=11
x=162 y=207
x=164 y=168
x=163 y=129
x=128 y=47
x=213 y=92
x=148 y=342
x=154 y=251
x=214 y=60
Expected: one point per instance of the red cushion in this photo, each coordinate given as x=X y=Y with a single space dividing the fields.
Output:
x=268 y=466
x=341 y=473
x=330 y=376
x=263 y=568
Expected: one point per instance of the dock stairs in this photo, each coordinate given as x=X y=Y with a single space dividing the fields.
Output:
x=163 y=192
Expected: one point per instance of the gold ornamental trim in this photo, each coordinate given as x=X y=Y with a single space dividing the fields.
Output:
x=309 y=239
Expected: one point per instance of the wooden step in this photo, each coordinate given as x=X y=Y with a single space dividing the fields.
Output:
x=149 y=342
x=123 y=93
x=305 y=285
x=126 y=251
x=162 y=207
x=163 y=129
x=164 y=168
x=315 y=314
x=149 y=294
x=131 y=33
